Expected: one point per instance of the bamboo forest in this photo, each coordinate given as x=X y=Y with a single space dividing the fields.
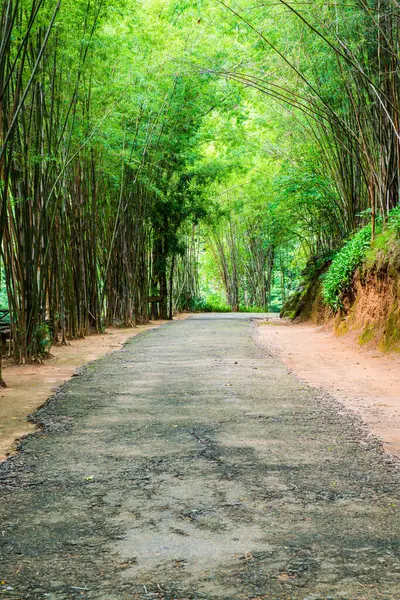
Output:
x=201 y=153
x=200 y=299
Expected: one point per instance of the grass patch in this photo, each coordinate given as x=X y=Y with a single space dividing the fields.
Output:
x=391 y=337
x=367 y=335
x=384 y=253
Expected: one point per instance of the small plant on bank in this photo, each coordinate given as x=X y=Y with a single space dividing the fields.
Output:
x=384 y=254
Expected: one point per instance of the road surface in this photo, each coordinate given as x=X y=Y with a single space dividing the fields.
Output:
x=192 y=465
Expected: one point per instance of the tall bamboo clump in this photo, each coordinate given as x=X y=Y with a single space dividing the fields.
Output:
x=81 y=246
x=345 y=92
x=361 y=126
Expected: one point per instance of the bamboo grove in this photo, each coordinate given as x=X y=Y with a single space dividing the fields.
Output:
x=177 y=151
x=87 y=227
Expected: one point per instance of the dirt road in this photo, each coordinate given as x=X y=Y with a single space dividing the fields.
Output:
x=192 y=465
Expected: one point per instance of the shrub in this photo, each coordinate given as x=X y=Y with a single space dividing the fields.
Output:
x=210 y=304
x=394 y=220
x=340 y=274
x=252 y=309
x=43 y=339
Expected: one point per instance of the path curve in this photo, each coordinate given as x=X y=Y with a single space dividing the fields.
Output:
x=191 y=464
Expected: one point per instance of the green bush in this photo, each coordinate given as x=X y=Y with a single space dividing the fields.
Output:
x=43 y=339
x=213 y=303
x=394 y=220
x=358 y=251
x=252 y=309
x=275 y=305
x=340 y=274
x=210 y=304
x=385 y=251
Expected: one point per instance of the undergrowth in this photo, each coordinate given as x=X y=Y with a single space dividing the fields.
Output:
x=210 y=304
x=340 y=274
x=301 y=303
x=385 y=251
x=359 y=252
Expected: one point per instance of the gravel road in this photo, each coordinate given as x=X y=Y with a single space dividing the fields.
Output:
x=192 y=465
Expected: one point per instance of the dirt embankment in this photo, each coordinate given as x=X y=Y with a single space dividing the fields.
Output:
x=29 y=386
x=370 y=313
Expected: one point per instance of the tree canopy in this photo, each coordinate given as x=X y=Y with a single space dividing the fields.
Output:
x=193 y=153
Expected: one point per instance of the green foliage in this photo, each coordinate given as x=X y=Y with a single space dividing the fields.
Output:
x=385 y=251
x=3 y=291
x=360 y=252
x=212 y=303
x=301 y=302
x=275 y=305
x=393 y=223
x=43 y=339
x=251 y=309
x=308 y=203
x=340 y=274
x=160 y=136
x=315 y=266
